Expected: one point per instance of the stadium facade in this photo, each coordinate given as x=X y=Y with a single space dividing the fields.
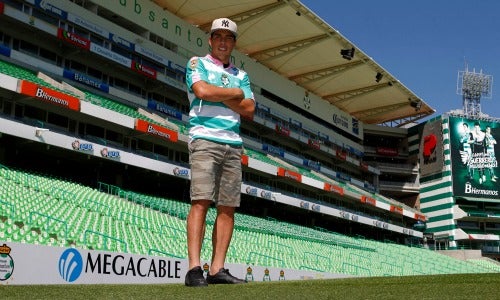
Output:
x=94 y=92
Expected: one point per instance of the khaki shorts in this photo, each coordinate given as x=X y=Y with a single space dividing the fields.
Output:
x=215 y=172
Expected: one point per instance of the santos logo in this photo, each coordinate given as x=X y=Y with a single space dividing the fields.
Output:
x=70 y=265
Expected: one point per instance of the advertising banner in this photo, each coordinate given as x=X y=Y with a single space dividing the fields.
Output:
x=49 y=95
x=85 y=79
x=28 y=264
x=73 y=38
x=168 y=110
x=289 y=174
x=431 y=148
x=156 y=130
x=474 y=153
x=333 y=188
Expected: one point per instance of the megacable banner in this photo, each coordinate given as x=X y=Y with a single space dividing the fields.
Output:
x=28 y=264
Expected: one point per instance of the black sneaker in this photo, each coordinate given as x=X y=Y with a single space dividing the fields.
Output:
x=194 y=277
x=223 y=276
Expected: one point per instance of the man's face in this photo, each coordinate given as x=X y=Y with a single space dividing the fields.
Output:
x=222 y=43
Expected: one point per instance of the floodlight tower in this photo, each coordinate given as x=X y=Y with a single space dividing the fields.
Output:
x=472 y=86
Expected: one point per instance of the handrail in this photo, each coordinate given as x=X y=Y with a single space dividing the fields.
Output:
x=106 y=237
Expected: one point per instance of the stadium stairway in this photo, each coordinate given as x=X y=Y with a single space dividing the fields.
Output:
x=40 y=209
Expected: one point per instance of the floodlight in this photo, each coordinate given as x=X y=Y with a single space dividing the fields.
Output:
x=347 y=53
x=417 y=104
x=473 y=86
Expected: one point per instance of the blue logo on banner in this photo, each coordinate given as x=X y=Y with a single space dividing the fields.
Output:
x=70 y=265
x=50 y=8
x=82 y=78
x=172 y=112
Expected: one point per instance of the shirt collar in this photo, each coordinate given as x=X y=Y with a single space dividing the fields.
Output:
x=218 y=62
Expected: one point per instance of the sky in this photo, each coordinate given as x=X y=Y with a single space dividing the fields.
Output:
x=424 y=44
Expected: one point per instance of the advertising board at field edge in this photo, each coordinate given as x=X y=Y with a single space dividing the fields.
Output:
x=29 y=264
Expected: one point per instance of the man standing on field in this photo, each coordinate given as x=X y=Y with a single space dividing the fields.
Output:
x=219 y=93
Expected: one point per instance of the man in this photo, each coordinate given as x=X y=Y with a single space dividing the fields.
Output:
x=466 y=140
x=478 y=150
x=219 y=93
x=490 y=151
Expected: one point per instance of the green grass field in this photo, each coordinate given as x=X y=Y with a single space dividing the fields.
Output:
x=456 y=287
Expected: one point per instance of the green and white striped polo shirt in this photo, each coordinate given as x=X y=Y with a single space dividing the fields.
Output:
x=214 y=121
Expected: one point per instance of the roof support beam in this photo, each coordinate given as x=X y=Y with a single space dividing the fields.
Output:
x=395 y=122
x=338 y=98
x=275 y=52
x=249 y=15
x=376 y=111
x=316 y=75
x=399 y=122
x=257 y=12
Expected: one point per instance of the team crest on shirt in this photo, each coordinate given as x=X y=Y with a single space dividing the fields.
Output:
x=193 y=64
x=225 y=80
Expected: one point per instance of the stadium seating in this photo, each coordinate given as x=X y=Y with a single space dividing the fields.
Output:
x=39 y=209
x=21 y=73
x=25 y=74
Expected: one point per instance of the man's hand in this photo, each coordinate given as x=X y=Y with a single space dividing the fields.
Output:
x=245 y=107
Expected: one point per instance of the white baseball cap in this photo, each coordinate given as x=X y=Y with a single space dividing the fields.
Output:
x=224 y=24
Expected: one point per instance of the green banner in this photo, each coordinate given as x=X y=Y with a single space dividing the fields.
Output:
x=474 y=153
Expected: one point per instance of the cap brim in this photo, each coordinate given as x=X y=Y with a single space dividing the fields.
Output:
x=214 y=30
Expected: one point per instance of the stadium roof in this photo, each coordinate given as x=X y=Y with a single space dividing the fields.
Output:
x=290 y=39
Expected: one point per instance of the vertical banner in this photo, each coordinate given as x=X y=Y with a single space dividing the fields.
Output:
x=474 y=152
x=431 y=154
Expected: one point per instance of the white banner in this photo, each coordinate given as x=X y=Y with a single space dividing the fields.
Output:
x=22 y=264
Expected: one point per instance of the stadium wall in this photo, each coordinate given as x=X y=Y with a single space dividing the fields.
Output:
x=436 y=196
